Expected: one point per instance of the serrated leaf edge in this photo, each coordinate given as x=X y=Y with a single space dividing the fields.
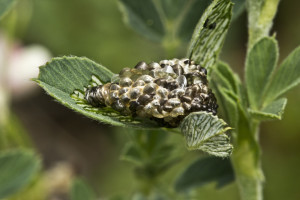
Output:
x=224 y=129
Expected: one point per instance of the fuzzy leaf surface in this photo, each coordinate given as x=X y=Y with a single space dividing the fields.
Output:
x=286 y=77
x=61 y=76
x=226 y=84
x=210 y=32
x=17 y=169
x=225 y=77
x=80 y=190
x=231 y=110
x=6 y=6
x=204 y=171
x=272 y=111
x=206 y=132
x=260 y=64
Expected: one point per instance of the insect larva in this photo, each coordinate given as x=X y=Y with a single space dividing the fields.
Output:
x=165 y=91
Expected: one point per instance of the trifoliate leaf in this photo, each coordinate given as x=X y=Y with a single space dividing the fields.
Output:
x=163 y=20
x=206 y=132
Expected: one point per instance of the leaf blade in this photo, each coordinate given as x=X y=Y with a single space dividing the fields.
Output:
x=206 y=42
x=60 y=77
x=190 y=18
x=223 y=74
x=131 y=154
x=226 y=84
x=17 y=169
x=260 y=64
x=143 y=17
x=6 y=6
x=238 y=8
x=80 y=190
x=287 y=76
x=272 y=111
x=206 y=132
x=171 y=20
x=204 y=171
x=230 y=107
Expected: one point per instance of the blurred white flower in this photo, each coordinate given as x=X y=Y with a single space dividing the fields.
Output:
x=20 y=64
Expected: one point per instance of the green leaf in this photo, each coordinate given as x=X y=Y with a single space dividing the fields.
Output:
x=223 y=75
x=287 y=76
x=260 y=64
x=17 y=168
x=238 y=8
x=150 y=152
x=132 y=154
x=148 y=146
x=62 y=76
x=272 y=111
x=204 y=171
x=160 y=20
x=13 y=134
x=206 y=132
x=226 y=84
x=187 y=17
x=230 y=107
x=6 y=6
x=80 y=190
x=210 y=32
x=143 y=17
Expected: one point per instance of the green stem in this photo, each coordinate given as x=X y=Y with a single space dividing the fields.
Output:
x=247 y=165
x=246 y=158
x=170 y=45
x=146 y=186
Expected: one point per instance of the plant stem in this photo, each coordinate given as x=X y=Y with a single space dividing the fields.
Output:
x=170 y=45
x=145 y=186
x=246 y=158
x=247 y=164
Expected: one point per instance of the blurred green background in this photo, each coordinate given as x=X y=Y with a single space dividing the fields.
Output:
x=94 y=28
